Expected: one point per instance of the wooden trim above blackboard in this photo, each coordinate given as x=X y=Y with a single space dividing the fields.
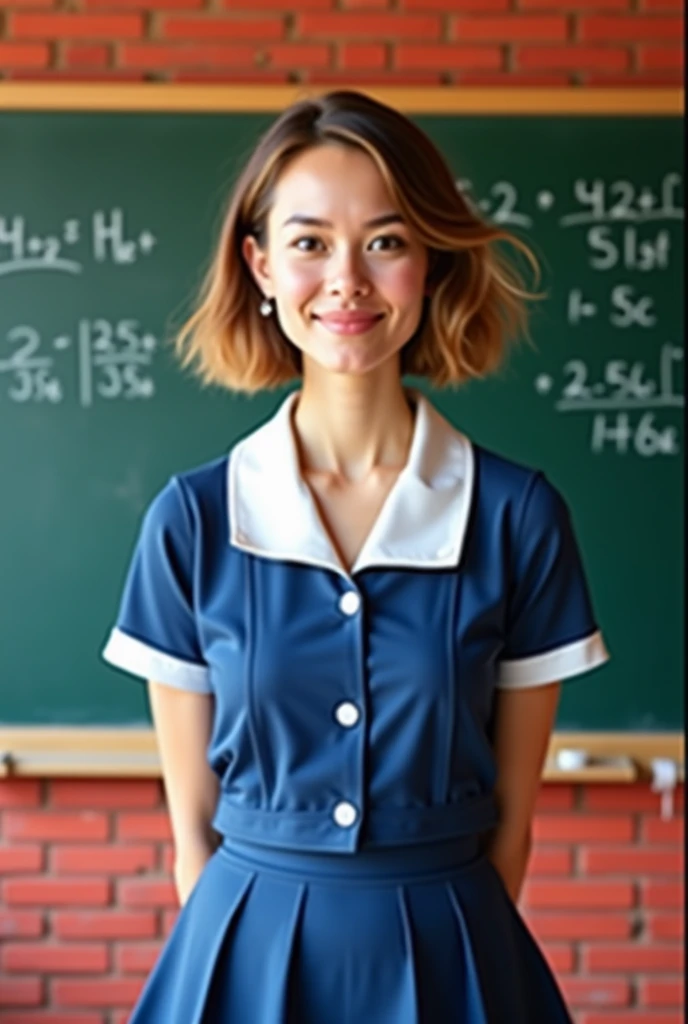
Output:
x=176 y=97
x=85 y=751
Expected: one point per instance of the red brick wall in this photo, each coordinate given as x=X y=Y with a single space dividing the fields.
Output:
x=382 y=42
x=87 y=897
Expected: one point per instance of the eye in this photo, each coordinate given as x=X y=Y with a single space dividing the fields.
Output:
x=306 y=243
x=390 y=242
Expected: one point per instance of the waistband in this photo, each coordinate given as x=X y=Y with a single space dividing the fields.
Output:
x=381 y=864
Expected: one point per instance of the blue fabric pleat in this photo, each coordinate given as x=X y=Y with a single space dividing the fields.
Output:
x=407 y=935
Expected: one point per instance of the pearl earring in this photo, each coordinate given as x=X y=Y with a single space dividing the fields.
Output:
x=265 y=307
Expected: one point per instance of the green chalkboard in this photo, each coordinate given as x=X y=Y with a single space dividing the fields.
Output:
x=107 y=220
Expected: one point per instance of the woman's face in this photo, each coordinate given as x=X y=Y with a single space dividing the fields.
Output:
x=345 y=270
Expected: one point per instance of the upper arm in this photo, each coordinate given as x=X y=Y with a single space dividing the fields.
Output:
x=550 y=631
x=156 y=633
x=523 y=722
x=183 y=723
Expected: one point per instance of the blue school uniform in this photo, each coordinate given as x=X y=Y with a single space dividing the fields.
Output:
x=351 y=731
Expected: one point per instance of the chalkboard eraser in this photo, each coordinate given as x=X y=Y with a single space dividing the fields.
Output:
x=568 y=760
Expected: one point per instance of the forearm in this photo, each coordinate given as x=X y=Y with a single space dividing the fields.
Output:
x=510 y=854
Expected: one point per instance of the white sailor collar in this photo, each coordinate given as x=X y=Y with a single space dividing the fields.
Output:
x=422 y=523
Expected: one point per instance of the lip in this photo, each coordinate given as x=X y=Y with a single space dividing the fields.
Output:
x=352 y=322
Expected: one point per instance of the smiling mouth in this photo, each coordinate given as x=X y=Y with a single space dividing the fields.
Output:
x=349 y=325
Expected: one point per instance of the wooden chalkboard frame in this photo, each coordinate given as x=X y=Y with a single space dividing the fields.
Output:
x=53 y=751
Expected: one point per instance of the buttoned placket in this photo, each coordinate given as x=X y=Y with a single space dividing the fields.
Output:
x=348 y=811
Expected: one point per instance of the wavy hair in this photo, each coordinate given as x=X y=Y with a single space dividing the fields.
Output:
x=477 y=303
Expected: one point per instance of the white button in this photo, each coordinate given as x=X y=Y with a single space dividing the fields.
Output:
x=349 y=603
x=345 y=813
x=347 y=713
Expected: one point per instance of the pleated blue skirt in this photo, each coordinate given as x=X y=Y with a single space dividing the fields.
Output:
x=423 y=934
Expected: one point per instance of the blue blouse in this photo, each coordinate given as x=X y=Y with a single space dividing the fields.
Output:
x=354 y=708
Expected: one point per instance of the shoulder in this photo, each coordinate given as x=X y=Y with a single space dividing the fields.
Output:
x=523 y=492
x=190 y=494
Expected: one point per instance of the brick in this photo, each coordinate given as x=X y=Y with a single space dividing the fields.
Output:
x=76 y=75
x=555 y=797
x=666 y=959
x=634 y=861
x=20 y=792
x=96 y=55
x=21 y=992
x=369 y=4
x=24 y=857
x=107 y=924
x=275 y=5
x=661 y=5
x=454 y=5
x=256 y=29
x=661 y=58
x=14 y=924
x=102 y=794
x=144 y=826
x=635 y=28
x=550 y=861
x=579 y=895
x=580 y=926
x=41 y=957
x=509 y=29
x=596 y=992
x=662 y=895
x=150 y=56
x=654 y=830
x=150 y=5
x=48 y=1017
x=75 y=26
x=666 y=992
x=577 y=828
x=85 y=825
x=631 y=1017
x=664 y=927
x=34 y=3
x=139 y=893
x=105 y=992
x=362 y=56
x=627 y=797
x=407 y=57
x=137 y=958
x=385 y=26
x=531 y=58
x=116 y=860
x=561 y=959
x=49 y=892
x=598 y=5
x=169 y=919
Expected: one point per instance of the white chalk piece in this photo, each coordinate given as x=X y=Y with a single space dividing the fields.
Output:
x=664 y=778
x=569 y=760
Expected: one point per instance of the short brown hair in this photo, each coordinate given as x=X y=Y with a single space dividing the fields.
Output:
x=477 y=300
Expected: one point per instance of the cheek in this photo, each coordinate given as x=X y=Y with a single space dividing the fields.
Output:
x=404 y=282
x=296 y=280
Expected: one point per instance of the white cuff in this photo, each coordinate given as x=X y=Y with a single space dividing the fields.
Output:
x=140 y=659
x=569 y=660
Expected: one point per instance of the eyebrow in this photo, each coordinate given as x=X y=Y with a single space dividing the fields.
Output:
x=316 y=222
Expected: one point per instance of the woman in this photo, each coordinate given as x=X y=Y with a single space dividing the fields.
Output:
x=355 y=624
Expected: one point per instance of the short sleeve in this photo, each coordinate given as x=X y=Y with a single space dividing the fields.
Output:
x=155 y=635
x=551 y=632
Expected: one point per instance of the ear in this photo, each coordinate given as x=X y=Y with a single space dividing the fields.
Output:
x=257 y=262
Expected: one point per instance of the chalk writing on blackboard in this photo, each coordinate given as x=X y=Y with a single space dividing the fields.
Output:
x=104 y=239
x=108 y=361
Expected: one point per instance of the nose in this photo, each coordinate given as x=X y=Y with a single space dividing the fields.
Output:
x=347 y=277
